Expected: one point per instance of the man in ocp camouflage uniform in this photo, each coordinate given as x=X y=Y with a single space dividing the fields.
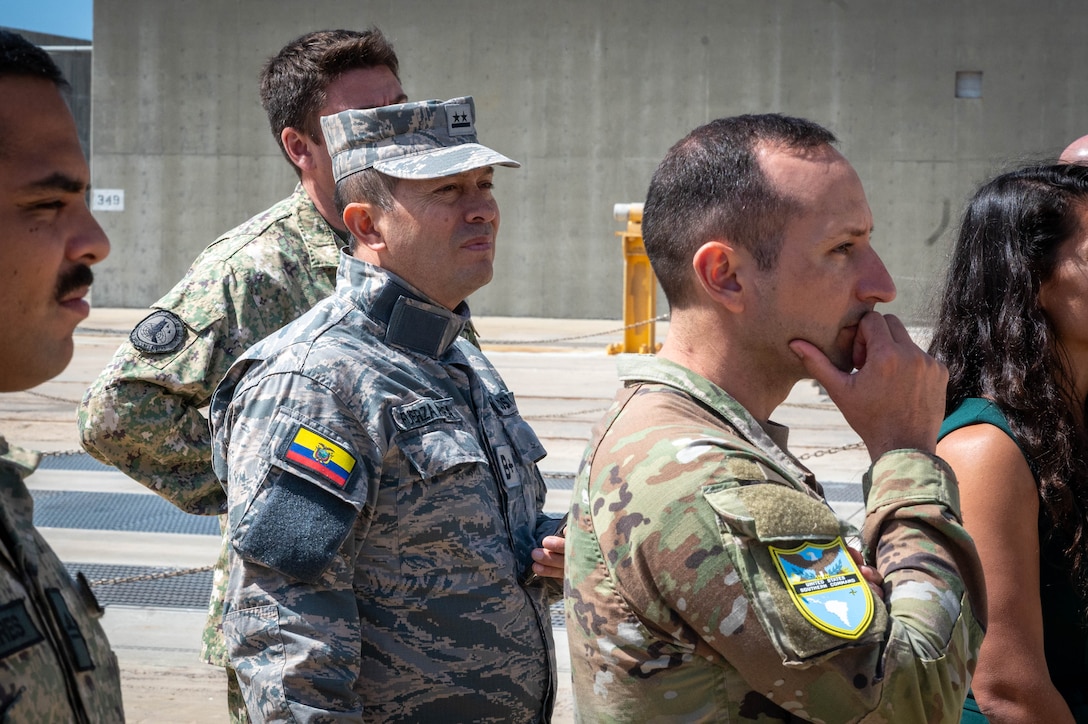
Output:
x=385 y=504
x=142 y=414
x=708 y=580
x=55 y=662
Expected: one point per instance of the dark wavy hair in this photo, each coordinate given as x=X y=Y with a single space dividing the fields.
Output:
x=998 y=343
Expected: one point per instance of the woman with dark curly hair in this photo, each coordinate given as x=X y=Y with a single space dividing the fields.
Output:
x=1013 y=331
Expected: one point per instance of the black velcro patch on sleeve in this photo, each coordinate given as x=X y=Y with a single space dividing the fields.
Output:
x=296 y=529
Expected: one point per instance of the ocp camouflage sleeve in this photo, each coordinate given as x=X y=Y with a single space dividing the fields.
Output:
x=708 y=580
x=143 y=413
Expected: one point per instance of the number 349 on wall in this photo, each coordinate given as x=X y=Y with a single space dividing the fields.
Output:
x=107 y=199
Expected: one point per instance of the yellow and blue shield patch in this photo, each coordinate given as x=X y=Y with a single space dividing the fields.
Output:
x=321 y=455
x=826 y=587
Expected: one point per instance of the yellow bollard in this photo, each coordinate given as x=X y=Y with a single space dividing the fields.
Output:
x=639 y=286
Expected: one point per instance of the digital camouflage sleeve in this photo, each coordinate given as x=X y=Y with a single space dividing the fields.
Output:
x=708 y=580
x=55 y=662
x=143 y=413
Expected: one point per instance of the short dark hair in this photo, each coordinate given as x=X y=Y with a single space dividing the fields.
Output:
x=369 y=185
x=710 y=184
x=294 y=81
x=18 y=56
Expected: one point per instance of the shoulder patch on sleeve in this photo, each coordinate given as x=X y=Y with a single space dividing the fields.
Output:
x=826 y=587
x=158 y=333
x=316 y=453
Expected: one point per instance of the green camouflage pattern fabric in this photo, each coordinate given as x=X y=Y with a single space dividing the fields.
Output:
x=55 y=662
x=377 y=577
x=143 y=413
x=675 y=609
x=417 y=140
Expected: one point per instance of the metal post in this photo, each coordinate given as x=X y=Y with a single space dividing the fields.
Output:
x=639 y=286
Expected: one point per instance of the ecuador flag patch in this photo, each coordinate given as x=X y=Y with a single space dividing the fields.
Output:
x=321 y=455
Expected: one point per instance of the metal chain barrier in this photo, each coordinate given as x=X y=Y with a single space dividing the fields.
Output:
x=53 y=398
x=151 y=576
x=564 y=415
x=658 y=318
x=831 y=450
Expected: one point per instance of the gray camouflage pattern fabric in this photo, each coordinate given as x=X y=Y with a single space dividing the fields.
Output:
x=376 y=577
x=675 y=611
x=417 y=140
x=142 y=415
x=55 y=662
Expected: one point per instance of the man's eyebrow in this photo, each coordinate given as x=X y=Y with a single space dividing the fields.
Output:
x=859 y=231
x=58 y=182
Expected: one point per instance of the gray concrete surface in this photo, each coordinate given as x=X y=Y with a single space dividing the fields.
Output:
x=588 y=95
x=562 y=387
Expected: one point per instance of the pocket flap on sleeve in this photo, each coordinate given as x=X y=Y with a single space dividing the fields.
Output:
x=769 y=512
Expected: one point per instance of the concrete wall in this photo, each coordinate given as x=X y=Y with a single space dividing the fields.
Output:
x=589 y=96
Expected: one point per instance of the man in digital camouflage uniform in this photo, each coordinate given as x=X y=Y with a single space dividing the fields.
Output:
x=55 y=662
x=385 y=504
x=142 y=414
x=708 y=580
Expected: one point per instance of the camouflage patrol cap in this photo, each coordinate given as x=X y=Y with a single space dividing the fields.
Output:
x=419 y=140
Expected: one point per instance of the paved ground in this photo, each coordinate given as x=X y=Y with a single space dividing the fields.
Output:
x=106 y=524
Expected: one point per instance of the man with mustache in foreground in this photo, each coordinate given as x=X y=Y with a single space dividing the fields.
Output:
x=55 y=661
x=707 y=578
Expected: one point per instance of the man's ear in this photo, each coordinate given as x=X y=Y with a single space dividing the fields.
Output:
x=721 y=270
x=361 y=218
x=300 y=147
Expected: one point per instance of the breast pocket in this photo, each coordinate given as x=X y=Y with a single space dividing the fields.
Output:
x=789 y=553
x=437 y=450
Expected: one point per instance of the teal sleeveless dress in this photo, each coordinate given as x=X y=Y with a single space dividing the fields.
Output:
x=1065 y=639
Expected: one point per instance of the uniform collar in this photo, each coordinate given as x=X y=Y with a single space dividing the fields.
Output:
x=321 y=240
x=770 y=438
x=411 y=321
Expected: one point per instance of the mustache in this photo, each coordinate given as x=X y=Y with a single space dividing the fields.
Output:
x=75 y=278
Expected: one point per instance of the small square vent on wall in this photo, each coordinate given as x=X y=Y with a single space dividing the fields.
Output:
x=969 y=84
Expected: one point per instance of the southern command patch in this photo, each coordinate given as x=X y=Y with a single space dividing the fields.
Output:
x=321 y=455
x=826 y=587
x=159 y=332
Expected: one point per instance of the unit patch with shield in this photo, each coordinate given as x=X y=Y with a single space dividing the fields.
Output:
x=159 y=332
x=826 y=587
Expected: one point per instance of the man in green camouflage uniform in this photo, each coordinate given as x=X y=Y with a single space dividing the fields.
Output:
x=708 y=580
x=142 y=414
x=385 y=504
x=55 y=662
